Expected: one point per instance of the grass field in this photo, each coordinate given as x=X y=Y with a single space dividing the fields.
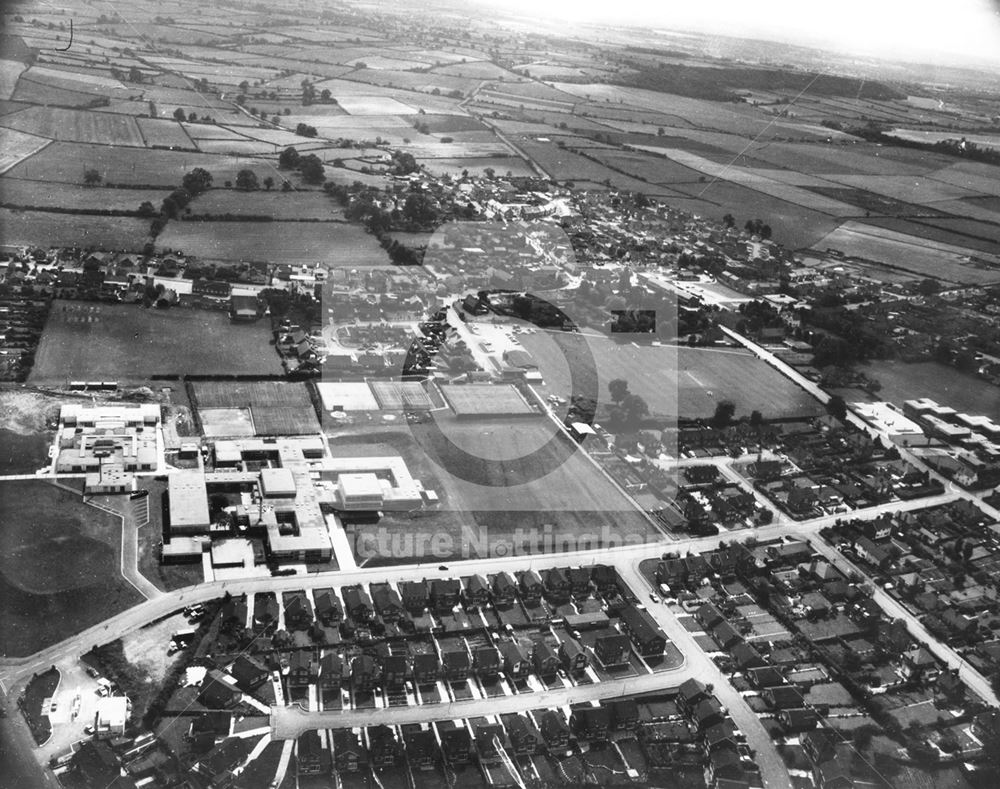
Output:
x=674 y=381
x=335 y=243
x=494 y=509
x=44 y=229
x=903 y=381
x=274 y=407
x=280 y=205
x=59 y=566
x=84 y=340
x=15 y=146
x=77 y=126
x=19 y=192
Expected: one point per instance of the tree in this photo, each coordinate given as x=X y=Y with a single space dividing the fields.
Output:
x=197 y=181
x=325 y=94
x=635 y=409
x=147 y=209
x=244 y=86
x=729 y=220
x=837 y=408
x=135 y=74
x=91 y=177
x=247 y=180
x=928 y=287
x=724 y=412
x=311 y=167
x=288 y=159
x=268 y=183
x=180 y=115
x=618 y=389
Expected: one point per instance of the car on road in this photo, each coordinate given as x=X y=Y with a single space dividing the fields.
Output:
x=653 y=597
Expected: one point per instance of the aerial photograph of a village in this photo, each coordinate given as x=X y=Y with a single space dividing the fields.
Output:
x=499 y=395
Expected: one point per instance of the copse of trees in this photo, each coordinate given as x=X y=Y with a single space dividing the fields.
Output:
x=246 y=180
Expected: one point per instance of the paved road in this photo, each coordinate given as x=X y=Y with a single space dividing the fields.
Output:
x=290 y=722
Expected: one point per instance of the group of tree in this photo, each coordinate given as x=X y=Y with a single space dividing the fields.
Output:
x=179 y=115
x=403 y=163
x=309 y=166
x=305 y=130
x=92 y=177
x=758 y=228
x=628 y=409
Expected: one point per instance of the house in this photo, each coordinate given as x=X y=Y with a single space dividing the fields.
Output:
x=544 y=659
x=572 y=656
x=918 y=663
x=833 y=774
x=477 y=592
x=643 y=630
x=298 y=613
x=725 y=635
x=605 y=578
x=691 y=693
x=624 y=713
x=524 y=738
x=893 y=636
x=554 y=731
x=707 y=712
x=503 y=589
x=725 y=764
x=445 y=593
x=357 y=603
x=764 y=676
x=456 y=664
x=216 y=693
x=797 y=720
x=426 y=668
x=489 y=739
x=746 y=657
x=530 y=585
x=383 y=748
x=310 y=755
x=950 y=685
x=388 y=604
x=485 y=661
x=782 y=697
x=613 y=649
x=579 y=581
x=591 y=723
x=720 y=735
x=331 y=671
x=348 y=753
x=456 y=742
x=421 y=748
x=820 y=744
x=557 y=586
x=301 y=667
x=872 y=553
x=395 y=670
x=708 y=616
x=365 y=673
x=328 y=608
x=516 y=661
x=414 y=595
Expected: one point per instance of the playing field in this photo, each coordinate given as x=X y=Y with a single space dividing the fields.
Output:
x=274 y=408
x=115 y=342
x=231 y=422
x=399 y=395
x=59 y=566
x=349 y=396
x=335 y=243
x=479 y=400
x=674 y=381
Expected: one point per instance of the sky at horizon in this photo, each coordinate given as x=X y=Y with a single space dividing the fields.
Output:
x=960 y=32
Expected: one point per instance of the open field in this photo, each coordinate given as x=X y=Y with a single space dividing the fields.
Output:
x=333 y=243
x=40 y=228
x=903 y=381
x=673 y=380
x=18 y=192
x=921 y=256
x=300 y=204
x=59 y=566
x=84 y=340
x=77 y=126
x=16 y=146
x=10 y=70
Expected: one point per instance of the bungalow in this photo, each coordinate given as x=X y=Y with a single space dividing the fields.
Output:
x=572 y=656
x=782 y=697
x=348 y=753
x=383 y=747
x=554 y=731
x=591 y=723
x=746 y=657
x=708 y=616
x=725 y=635
x=798 y=719
x=504 y=589
x=248 y=672
x=765 y=677
x=456 y=742
x=612 y=650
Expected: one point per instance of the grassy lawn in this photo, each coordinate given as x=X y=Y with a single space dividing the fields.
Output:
x=59 y=567
x=40 y=688
x=164 y=576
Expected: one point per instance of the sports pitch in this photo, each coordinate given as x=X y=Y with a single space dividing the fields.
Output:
x=397 y=395
x=471 y=400
x=270 y=407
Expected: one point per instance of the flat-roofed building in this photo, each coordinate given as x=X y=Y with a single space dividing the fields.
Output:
x=360 y=491
x=277 y=483
x=111 y=716
x=188 y=502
